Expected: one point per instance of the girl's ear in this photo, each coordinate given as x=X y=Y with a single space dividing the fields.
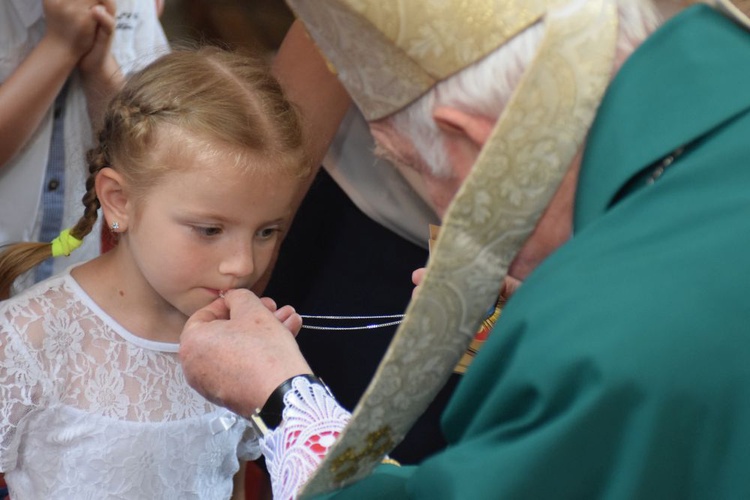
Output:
x=112 y=192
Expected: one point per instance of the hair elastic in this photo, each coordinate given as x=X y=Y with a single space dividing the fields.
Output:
x=65 y=244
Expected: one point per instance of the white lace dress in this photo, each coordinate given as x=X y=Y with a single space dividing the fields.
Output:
x=90 y=411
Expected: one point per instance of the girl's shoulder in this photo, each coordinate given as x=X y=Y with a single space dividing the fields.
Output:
x=39 y=302
x=50 y=288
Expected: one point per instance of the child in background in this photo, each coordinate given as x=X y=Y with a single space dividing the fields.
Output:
x=196 y=168
x=60 y=62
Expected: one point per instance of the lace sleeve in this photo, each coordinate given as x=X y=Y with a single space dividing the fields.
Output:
x=312 y=421
x=21 y=383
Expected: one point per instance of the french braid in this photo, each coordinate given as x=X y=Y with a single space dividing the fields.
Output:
x=220 y=96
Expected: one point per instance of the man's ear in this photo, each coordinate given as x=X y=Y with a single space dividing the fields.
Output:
x=475 y=128
x=112 y=192
x=464 y=136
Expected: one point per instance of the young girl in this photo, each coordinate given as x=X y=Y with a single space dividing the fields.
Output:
x=196 y=168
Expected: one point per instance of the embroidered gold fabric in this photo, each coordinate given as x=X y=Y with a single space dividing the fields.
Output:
x=496 y=209
x=487 y=324
x=394 y=51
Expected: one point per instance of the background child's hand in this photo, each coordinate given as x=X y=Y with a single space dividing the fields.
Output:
x=100 y=72
x=70 y=25
x=98 y=62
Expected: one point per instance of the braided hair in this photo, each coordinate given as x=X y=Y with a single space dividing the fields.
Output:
x=221 y=96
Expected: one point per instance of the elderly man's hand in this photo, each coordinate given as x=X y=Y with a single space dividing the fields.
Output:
x=235 y=352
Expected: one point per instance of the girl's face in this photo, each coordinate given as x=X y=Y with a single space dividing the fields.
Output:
x=204 y=228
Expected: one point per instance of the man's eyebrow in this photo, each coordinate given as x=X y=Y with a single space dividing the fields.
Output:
x=381 y=152
x=386 y=154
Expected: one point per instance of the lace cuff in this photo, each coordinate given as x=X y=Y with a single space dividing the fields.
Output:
x=312 y=421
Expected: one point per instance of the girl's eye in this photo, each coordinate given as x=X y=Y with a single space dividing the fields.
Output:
x=207 y=231
x=268 y=232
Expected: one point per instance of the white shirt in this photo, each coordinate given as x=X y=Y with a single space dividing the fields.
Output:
x=138 y=40
x=88 y=410
x=374 y=185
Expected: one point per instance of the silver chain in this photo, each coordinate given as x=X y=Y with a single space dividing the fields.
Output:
x=370 y=326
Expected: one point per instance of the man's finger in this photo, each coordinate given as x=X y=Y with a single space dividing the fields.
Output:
x=241 y=301
x=283 y=313
x=510 y=285
x=269 y=303
x=293 y=323
x=214 y=311
x=418 y=275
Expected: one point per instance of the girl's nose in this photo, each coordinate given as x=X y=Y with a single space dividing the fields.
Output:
x=239 y=263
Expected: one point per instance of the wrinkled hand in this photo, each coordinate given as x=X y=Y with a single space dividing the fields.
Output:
x=235 y=352
x=70 y=25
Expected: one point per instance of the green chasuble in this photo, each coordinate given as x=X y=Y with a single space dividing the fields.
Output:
x=621 y=367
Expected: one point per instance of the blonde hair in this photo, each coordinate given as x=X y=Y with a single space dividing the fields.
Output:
x=224 y=98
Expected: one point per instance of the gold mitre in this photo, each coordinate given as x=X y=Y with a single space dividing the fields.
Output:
x=388 y=53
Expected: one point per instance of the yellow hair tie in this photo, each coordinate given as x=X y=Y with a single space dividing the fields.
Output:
x=65 y=244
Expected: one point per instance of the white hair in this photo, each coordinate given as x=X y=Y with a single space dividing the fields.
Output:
x=485 y=87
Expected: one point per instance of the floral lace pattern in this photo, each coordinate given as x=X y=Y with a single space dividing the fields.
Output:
x=312 y=422
x=88 y=410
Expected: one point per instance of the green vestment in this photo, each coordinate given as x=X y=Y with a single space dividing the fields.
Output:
x=621 y=368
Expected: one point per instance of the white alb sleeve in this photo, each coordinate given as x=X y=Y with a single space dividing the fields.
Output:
x=312 y=420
